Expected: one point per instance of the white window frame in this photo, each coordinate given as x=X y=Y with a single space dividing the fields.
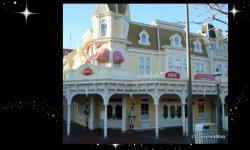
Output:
x=144 y=58
x=140 y=41
x=145 y=102
x=141 y=66
x=172 y=40
x=199 y=68
x=170 y=61
x=197 y=49
x=103 y=21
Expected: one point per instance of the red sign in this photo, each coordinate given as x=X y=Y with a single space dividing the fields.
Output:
x=172 y=74
x=87 y=71
x=207 y=77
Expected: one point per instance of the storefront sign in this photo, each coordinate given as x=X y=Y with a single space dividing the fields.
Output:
x=207 y=77
x=172 y=74
x=87 y=71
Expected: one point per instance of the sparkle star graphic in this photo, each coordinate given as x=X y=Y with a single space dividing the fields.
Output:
x=234 y=11
x=115 y=145
x=26 y=13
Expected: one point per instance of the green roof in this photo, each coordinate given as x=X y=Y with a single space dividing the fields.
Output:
x=164 y=35
x=135 y=30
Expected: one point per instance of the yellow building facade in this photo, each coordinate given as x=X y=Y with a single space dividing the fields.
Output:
x=121 y=62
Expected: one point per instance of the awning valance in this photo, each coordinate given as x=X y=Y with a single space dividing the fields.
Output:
x=102 y=55
x=117 y=57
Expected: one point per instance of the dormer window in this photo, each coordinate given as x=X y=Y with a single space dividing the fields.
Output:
x=144 y=38
x=103 y=28
x=197 y=46
x=175 y=40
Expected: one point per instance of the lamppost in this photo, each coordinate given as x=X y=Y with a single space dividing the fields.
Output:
x=219 y=121
x=189 y=78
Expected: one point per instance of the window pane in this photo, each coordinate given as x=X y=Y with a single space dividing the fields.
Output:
x=185 y=64
x=141 y=65
x=176 y=41
x=147 y=65
x=197 y=68
x=109 y=115
x=201 y=68
x=197 y=47
x=118 y=112
x=80 y=108
x=144 y=111
x=143 y=38
x=103 y=28
x=178 y=111
x=178 y=64
x=165 y=111
x=170 y=63
x=172 y=111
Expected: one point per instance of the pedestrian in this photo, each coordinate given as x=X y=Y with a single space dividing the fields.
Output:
x=86 y=118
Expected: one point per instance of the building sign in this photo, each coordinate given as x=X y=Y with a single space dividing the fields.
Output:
x=202 y=76
x=172 y=74
x=87 y=71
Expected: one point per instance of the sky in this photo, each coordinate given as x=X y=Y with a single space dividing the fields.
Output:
x=77 y=18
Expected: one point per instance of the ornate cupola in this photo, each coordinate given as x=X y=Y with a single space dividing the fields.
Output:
x=110 y=21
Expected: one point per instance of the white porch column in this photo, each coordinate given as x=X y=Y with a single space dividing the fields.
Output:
x=156 y=121
x=91 y=114
x=68 y=119
x=123 y=114
x=105 y=120
x=183 y=119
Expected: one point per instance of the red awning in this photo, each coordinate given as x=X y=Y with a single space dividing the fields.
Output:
x=117 y=57
x=102 y=55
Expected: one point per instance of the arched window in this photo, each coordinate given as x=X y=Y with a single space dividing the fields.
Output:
x=165 y=111
x=109 y=111
x=175 y=40
x=103 y=28
x=143 y=38
x=118 y=112
x=172 y=111
x=197 y=46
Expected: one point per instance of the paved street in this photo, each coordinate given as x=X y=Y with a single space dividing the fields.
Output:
x=80 y=135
